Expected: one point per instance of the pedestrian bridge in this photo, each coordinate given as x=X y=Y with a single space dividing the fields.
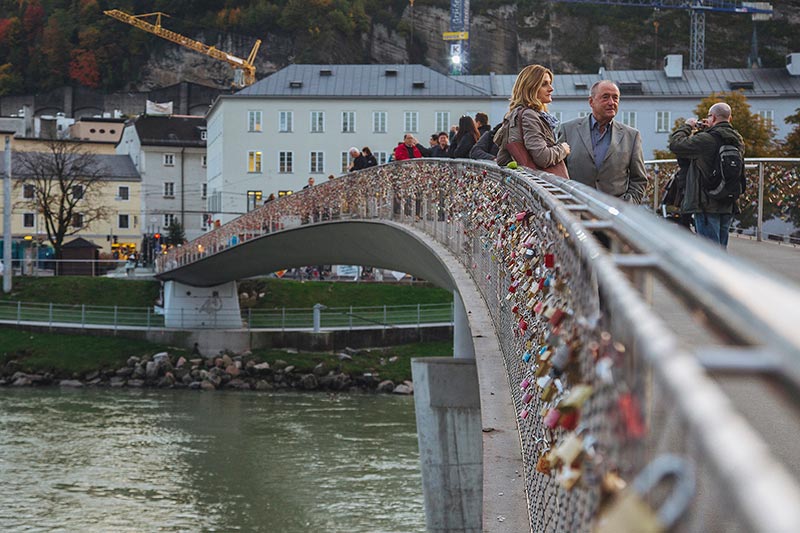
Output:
x=598 y=350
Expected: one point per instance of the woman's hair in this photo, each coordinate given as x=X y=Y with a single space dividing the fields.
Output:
x=527 y=86
x=466 y=126
x=366 y=151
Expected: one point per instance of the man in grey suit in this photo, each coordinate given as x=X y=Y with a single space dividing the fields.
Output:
x=606 y=155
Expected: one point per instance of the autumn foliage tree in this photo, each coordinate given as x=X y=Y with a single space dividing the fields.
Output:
x=791 y=146
x=66 y=187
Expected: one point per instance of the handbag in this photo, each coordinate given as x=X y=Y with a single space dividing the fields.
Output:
x=523 y=157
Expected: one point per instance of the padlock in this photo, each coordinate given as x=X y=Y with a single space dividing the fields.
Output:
x=570 y=449
x=631 y=414
x=568 y=477
x=543 y=465
x=576 y=398
x=630 y=513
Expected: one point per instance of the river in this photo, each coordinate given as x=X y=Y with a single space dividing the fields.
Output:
x=99 y=460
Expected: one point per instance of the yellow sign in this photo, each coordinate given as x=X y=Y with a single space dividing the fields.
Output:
x=455 y=35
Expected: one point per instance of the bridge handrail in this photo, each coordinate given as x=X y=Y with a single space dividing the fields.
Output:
x=471 y=206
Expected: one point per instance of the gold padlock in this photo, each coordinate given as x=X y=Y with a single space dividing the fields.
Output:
x=570 y=449
x=628 y=513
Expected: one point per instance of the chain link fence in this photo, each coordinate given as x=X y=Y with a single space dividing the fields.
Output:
x=600 y=385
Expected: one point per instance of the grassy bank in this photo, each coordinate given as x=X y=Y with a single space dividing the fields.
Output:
x=263 y=293
x=76 y=355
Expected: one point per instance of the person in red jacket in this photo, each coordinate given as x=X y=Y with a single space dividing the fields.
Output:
x=409 y=149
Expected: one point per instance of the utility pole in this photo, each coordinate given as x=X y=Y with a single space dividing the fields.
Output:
x=8 y=264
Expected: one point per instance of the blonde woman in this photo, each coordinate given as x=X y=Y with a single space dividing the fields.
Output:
x=527 y=120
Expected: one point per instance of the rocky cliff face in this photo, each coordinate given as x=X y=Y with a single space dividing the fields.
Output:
x=502 y=39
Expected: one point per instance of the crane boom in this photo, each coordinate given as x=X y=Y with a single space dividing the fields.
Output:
x=698 y=8
x=246 y=70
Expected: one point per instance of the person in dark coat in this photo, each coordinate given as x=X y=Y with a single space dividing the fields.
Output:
x=482 y=123
x=465 y=139
x=369 y=157
x=359 y=161
x=485 y=148
x=695 y=140
x=442 y=146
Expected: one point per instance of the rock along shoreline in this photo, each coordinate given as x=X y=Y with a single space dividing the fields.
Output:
x=222 y=372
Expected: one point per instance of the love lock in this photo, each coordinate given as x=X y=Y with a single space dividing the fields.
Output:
x=630 y=513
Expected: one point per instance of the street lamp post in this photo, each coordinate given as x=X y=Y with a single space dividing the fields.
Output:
x=7 y=262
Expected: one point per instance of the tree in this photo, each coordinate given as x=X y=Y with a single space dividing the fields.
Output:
x=791 y=147
x=65 y=189
x=175 y=234
x=758 y=133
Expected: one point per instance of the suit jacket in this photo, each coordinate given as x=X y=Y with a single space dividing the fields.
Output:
x=621 y=173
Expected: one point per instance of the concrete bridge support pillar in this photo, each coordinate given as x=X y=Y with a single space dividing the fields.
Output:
x=447 y=406
x=463 y=347
x=191 y=307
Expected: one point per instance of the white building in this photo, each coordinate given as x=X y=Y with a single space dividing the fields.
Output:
x=301 y=121
x=170 y=154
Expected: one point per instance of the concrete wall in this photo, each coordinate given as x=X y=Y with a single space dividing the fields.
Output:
x=448 y=410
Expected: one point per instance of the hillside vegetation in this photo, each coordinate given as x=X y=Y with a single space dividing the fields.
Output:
x=49 y=43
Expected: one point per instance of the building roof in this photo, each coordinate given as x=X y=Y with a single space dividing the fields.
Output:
x=113 y=167
x=694 y=83
x=79 y=242
x=352 y=81
x=173 y=130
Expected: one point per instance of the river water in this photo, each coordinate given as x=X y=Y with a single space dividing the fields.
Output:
x=100 y=460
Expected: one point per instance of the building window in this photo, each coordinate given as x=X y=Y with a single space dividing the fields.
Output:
x=204 y=191
x=629 y=118
x=442 y=121
x=411 y=121
x=123 y=193
x=28 y=220
x=123 y=222
x=253 y=200
x=254 y=161
x=169 y=160
x=207 y=221
x=286 y=162
x=77 y=220
x=381 y=157
x=169 y=189
x=582 y=114
x=286 y=122
x=254 y=121
x=317 y=162
x=204 y=161
x=348 y=121
x=317 y=122
x=379 y=122
x=28 y=191
x=558 y=114
x=346 y=160
x=203 y=135
x=77 y=192
x=768 y=116
x=662 y=121
x=169 y=218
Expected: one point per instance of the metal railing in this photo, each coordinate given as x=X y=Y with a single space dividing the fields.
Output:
x=579 y=337
x=385 y=316
x=773 y=192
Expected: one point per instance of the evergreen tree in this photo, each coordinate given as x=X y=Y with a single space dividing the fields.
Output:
x=791 y=147
x=176 y=236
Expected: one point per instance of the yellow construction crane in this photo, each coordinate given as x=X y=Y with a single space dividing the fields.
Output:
x=244 y=69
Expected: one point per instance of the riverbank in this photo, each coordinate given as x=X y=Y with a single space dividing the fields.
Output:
x=48 y=359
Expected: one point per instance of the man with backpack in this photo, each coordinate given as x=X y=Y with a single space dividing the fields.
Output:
x=715 y=178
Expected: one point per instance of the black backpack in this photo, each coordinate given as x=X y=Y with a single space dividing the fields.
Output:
x=727 y=178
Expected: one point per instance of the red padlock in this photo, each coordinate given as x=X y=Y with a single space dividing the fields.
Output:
x=549 y=260
x=631 y=415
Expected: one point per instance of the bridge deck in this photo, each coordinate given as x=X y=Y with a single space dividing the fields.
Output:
x=768 y=403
